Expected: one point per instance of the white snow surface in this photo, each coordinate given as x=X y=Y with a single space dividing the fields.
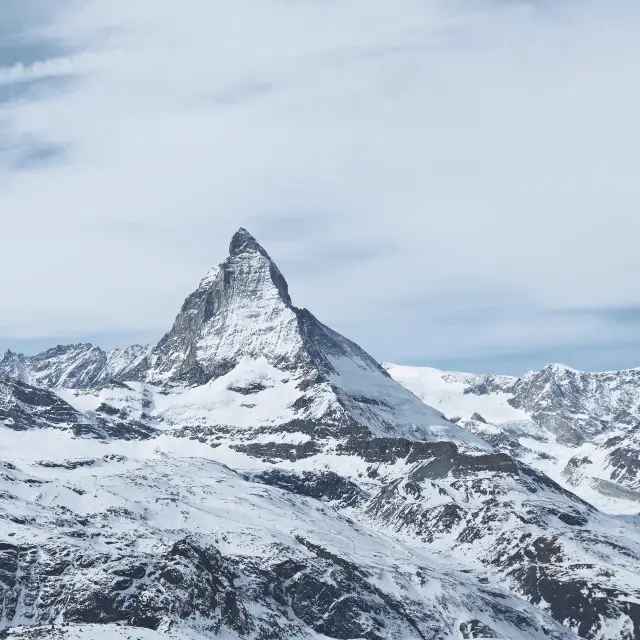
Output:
x=444 y=390
x=387 y=408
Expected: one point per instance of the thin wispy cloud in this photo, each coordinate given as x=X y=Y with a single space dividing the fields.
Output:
x=479 y=155
x=49 y=69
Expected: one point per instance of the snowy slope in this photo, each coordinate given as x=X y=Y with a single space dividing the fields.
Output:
x=455 y=394
x=151 y=538
x=444 y=531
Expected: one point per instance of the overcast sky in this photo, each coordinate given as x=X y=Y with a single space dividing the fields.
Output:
x=454 y=183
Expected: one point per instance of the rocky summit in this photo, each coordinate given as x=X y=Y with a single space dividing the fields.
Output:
x=256 y=475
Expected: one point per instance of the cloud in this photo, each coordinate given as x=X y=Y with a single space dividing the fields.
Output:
x=48 y=69
x=407 y=164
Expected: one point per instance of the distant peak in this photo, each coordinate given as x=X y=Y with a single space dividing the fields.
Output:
x=12 y=355
x=243 y=242
x=557 y=368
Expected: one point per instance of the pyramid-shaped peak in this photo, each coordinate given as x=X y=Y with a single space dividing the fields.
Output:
x=243 y=242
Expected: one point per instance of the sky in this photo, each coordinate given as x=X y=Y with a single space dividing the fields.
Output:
x=448 y=183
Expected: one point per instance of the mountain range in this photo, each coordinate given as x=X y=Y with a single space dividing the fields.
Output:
x=257 y=475
x=580 y=428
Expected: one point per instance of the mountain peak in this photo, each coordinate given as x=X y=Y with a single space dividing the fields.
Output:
x=240 y=308
x=558 y=368
x=240 y=330
x=243 y=242
x=252 y=267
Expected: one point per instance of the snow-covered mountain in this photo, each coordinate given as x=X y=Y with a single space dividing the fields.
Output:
x=241 y=359
x=578 y=427
x=576 y=405
x=76 y=366
x=256 y=475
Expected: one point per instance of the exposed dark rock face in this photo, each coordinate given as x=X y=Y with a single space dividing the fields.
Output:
x=576 y=601
x=277 y=452
x=476 y=629
x=254 y=387
x=487 y=384
x=67 y=464
x=321 y=486
x=624 y=458
x=443 y=457
x=24 y=407
x=189 y=579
